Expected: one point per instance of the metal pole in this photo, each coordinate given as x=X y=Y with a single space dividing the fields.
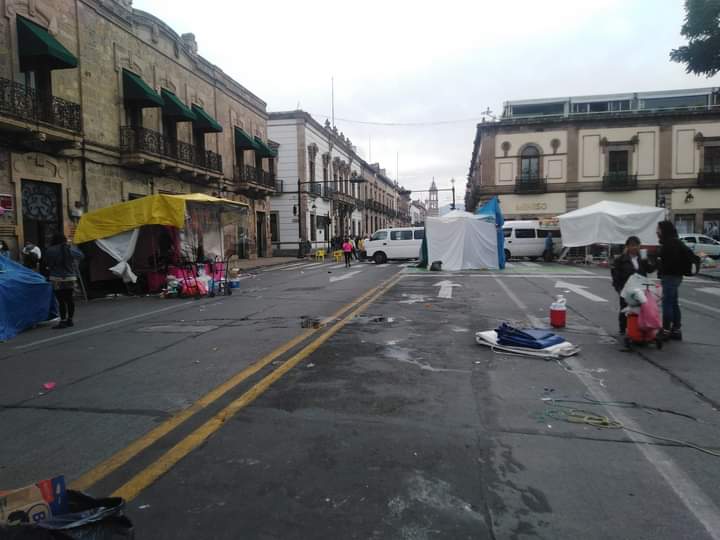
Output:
x=300 y=222
x=453 y=191
x=332 y=90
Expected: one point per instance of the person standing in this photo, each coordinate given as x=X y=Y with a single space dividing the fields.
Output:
x=347 y=250
x=361 y=248
x=674 y=261
x=60 y=260
x=4 y=249
x=549 y=247
x=624 y=266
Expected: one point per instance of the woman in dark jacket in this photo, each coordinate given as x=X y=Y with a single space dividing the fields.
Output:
x=674 y=261
x=623 y=267
x=60 y=260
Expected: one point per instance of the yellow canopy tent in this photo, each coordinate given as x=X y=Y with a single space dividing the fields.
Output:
x=151 y=210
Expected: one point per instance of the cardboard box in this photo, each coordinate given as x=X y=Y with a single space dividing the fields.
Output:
x=34 y=503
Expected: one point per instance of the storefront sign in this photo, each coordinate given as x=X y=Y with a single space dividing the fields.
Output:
x=530 y=206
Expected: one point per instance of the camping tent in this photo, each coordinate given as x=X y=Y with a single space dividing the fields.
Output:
x=609 y=222
x=115 y=229
x=461 y=241
x=26 y=298
x=491 y=211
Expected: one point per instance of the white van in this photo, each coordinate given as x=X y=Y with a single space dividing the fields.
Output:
x=400 y=243
x=527 y=239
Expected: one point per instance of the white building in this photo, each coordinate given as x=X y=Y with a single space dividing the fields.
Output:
x=417 y=213
x=318 y=193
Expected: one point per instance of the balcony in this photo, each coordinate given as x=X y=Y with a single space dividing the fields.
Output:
x=146 y=148
x=255 y=181
x=708 y=178
x=530 y=183
x=342 y=198
x=56 y=118
x=619 y=181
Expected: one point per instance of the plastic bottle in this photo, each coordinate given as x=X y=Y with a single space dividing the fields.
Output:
x=558 y=312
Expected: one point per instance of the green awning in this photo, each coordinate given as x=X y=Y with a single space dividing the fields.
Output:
x=138 y=93
x=204 y=121
x=176 y=109
x=243 y=141
x=264 y=150
x=37 y=48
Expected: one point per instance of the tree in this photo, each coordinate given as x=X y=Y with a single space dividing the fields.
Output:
x=702 y=29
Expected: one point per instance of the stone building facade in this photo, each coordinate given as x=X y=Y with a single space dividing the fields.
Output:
x=549 y=156
x=102 y=103
x=325 y=190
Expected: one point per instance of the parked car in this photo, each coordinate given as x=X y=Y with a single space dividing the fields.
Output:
x=527 y=239
x=400 y=243
x=700 y=243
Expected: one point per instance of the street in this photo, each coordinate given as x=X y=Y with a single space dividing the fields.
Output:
x=325 y=402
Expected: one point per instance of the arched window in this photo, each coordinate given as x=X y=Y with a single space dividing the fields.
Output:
x=530 y=162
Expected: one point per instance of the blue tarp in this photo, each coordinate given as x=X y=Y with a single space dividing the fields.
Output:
x=529 y=338
x=491 y=209
x=26 y=298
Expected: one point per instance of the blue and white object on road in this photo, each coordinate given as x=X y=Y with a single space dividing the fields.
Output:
x=26 y=299
x=489 y=338
x=491 y=209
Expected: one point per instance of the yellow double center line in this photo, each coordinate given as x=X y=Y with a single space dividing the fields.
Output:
x=147 y=476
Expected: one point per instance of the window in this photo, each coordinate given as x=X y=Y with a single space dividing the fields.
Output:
x=313 y=228
x=380 y=235
x=690 y=240
x=524 y=233
x=530 y=162
x=401 y=235
x=538 y=110
x=544 y=233
x=419 y=234
x=685 y=224
x=711 y=159
x=706 y=240
x=674 y=102
x=507 y=233
x=312 y=170
x=618 y=162
x=274 y=236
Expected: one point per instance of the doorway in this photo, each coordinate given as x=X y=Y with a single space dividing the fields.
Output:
x=261 y=238
x=42 y=212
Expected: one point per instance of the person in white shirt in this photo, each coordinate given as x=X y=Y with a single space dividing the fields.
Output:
x=31 y=255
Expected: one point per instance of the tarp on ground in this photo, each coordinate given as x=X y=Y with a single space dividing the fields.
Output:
x=26 y=298
x=167 y=210
x=609 y=222
x=461 y=241
x=491 y=211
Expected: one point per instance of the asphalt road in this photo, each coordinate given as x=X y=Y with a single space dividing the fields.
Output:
x=387 y=421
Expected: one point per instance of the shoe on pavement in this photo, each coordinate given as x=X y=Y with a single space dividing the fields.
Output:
x=69 y=323
x=676 y=335
x=60 y=325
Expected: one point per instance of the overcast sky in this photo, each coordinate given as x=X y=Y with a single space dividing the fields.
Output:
x=397 y=61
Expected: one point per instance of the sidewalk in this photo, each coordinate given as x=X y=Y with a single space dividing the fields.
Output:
x=253 y=264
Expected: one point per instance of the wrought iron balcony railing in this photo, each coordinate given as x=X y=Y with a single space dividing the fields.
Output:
x=530 y=183
x=25 y=103
x=248 y=173
x=137 y=139
x=709 y=178
x=619 y=181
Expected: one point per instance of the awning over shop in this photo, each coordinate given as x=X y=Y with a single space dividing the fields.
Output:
x=243 y=141
x=205 y=122
x=176 y=109
x=38 y=48
x=264 y=150
x=138 y=93
x=169 y=210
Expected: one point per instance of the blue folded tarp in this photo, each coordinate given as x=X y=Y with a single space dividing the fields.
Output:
x=529 y=338
x=26 y=298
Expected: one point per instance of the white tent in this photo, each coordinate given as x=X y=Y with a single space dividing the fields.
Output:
x=461 y=241
x=609 y=222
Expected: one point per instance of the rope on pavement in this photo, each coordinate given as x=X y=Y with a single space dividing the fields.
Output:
x=580 y=416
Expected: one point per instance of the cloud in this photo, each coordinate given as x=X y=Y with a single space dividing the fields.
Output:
x=403 y=61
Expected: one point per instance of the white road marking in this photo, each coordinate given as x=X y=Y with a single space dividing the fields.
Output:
x=337 y=266
x=380 y=265
x=344 y=276
x=446 y=288
x=579 y=289
x=302 y=267
x=709 y=290
x=698 y=304
x=691 y=495
x=282 y=267
x=103 y=325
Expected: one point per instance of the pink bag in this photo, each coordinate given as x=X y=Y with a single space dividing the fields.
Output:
x=649 y=317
